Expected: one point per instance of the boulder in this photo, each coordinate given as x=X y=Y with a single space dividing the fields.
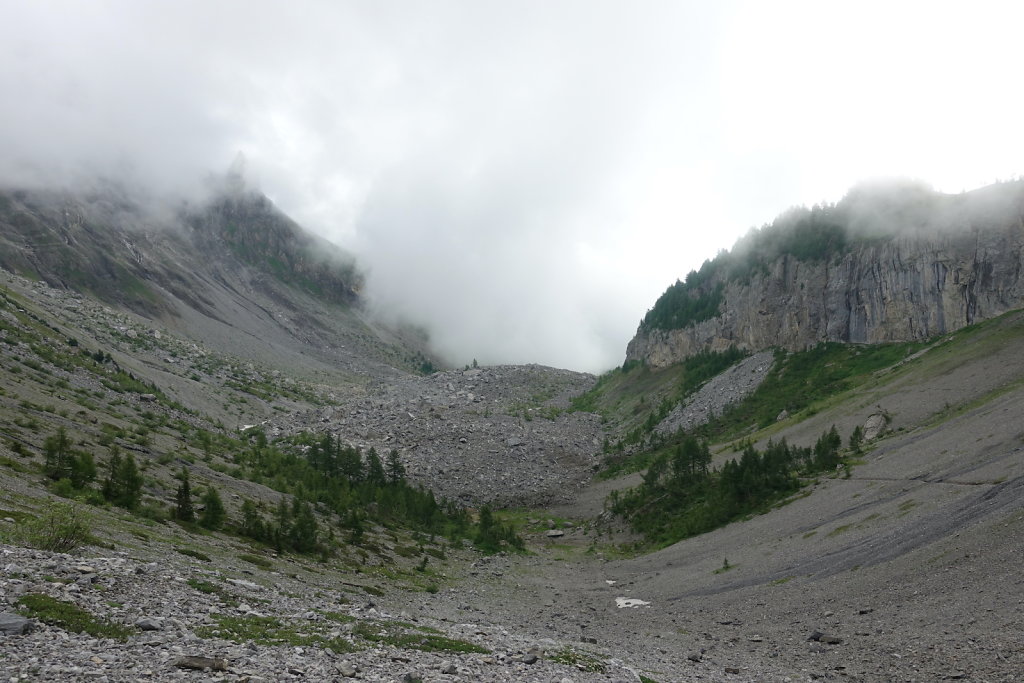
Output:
x=15 y=624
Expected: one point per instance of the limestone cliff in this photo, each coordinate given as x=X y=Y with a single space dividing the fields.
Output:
x=947 y=263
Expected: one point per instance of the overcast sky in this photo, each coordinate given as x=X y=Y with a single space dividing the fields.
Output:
x=522 y=178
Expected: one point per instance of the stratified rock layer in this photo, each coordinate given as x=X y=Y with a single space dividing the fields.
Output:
x=919 y=284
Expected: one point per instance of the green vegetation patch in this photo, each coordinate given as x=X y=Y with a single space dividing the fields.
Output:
x=210 y=588
x=194 y=554
x=685 y=304
x=396 y=636
x=799 y=380
x=682 y=495
x=60 y=529
x=269 y=631
x=70 y=617
x=580 y=659
x=840 y=530
x=261 y=562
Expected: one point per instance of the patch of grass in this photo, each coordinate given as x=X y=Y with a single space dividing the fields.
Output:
x=784 y=579
x=204 y=586
x=70 y=617
x=907 y=505
x=801 y=379
x=211 y=588
x=195 y=554
x=581 y=659
x=339 y=617
x=261 y=562
x=10 y=463
x=396 y=636
x=839 y=529
x=810 y=533
x=269 y=631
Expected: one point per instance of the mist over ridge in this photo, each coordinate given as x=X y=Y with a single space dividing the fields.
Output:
x=524 y=181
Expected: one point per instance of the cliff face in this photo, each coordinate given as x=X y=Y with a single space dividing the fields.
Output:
x=914 y=286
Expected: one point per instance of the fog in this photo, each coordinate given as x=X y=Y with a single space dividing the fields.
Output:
x=521 y=179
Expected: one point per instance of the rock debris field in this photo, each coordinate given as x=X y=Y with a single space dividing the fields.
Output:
x=500 y=434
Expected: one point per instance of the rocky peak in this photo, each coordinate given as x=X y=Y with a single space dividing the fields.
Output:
x=860 y=271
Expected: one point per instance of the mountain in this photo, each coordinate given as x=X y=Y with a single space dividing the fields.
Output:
x=231 y=270
x=213 y=461
x=886 y=263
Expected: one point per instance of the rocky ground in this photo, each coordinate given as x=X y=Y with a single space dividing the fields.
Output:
x=718 y=394
x=906 y=570
x=185 y=620
x=500 y=434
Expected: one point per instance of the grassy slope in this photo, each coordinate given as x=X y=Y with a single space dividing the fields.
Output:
x=833 y=385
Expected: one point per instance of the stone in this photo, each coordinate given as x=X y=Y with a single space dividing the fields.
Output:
x=149 y=624
x=529 y=658
x=820 y=637
x=448 y=668
x=555 y=533
x=348 y=669
x=875 y=426
x=202 y=663
x=15 y=624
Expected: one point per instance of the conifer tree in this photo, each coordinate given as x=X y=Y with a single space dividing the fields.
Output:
x=253 y=525
x=123 y=486
x=303 y=534
x=395 y=468
x=183 y=510
x=83 y=470
x=374 y=468
x=57 y=453
x=213 y=514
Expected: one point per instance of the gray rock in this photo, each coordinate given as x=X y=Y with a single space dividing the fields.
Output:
x=875 y=426
x=348 y=669
x=825 y=638
x=914 y=286
x=202 y=663
x=149 y=624
x=15 y=624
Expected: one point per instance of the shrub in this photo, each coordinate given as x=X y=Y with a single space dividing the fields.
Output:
x=60 y=529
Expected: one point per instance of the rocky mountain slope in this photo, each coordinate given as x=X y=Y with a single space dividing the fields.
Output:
x=901 y=565
x=231 y=271
x=881 y=265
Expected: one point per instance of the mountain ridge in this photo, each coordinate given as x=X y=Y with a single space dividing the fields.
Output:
x=875 y=267
x=231 y=269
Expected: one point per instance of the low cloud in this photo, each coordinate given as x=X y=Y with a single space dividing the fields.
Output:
x=522 y=179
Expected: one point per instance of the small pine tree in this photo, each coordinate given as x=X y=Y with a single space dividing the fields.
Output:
x=395 y=468
x=183 y=510
x=213 y=514
x=857 y=439
x=123 y=486
x=83 y=470
x=57 y=453
x=303 y=534
x=253 y=525
x=374 y=468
